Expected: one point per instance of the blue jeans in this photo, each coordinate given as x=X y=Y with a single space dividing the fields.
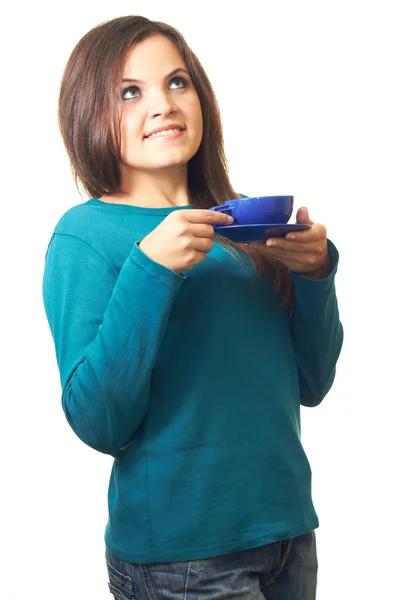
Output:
x=285 y=570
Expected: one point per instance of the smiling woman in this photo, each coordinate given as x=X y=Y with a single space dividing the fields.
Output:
x=163 y=108
x=93 y=132
x=170 y=361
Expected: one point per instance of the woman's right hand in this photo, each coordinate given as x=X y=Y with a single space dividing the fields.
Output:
x=183 y=238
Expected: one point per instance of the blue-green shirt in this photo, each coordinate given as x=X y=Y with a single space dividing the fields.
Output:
x=193 y=383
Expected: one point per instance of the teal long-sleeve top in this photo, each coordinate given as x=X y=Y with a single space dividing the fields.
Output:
x=192 y=382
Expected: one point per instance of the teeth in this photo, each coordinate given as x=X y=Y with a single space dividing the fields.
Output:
x=162 y=133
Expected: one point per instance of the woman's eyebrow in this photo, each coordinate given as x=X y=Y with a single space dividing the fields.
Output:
x=174 y=72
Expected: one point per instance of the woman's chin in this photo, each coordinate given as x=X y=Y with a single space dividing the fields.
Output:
x=172 y=162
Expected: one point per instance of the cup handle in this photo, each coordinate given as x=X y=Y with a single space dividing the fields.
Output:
x=224 y=208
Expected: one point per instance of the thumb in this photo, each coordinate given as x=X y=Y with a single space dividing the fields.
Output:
x=302 y=216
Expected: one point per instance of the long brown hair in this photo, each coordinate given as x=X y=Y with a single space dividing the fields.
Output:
x=88 y=114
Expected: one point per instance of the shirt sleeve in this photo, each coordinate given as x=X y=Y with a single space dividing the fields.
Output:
x=317 y=332
x=107 y=328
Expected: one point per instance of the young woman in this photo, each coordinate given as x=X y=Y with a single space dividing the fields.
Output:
x=183 y=355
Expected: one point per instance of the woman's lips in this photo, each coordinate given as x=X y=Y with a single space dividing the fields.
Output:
x=169 y=134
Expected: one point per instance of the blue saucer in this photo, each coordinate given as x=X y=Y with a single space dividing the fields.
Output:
x=258 y=232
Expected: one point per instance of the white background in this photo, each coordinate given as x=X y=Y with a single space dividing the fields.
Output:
x=306 y=98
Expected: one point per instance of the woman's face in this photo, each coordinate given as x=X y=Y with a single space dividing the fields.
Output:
x=157 y=92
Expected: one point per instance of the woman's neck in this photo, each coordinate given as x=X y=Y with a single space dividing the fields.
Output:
x=153 y=190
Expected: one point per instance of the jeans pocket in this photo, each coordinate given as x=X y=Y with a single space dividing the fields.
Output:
x=119 y=594
x=120 y=586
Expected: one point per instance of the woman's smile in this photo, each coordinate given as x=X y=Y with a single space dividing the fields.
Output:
x=167 y=134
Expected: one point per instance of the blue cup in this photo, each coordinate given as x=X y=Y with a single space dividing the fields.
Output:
x=261 y=210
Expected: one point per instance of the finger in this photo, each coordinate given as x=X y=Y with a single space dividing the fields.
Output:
x=285 y=255
x=304 y=261
x=302 y=216
x=291 y=263
x=211 y=217
x=202 y=244
x=315 y=235
x=201 y=230
x=287 y=246
x=316 y=231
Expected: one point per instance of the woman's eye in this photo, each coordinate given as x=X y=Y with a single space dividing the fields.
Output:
x=175 y=83
x=180 y=80
x=133 y=91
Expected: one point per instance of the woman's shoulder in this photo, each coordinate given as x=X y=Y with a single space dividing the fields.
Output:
x=90 y=224
x=78 y=220
x=83 y=226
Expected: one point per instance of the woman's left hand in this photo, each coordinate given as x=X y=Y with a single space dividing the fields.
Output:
x=304 y=252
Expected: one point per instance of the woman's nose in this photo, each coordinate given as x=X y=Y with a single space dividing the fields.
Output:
x=160 y=104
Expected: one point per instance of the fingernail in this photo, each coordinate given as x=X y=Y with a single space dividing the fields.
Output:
x=230 y=219
x=290 y=236
x=270 y=243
